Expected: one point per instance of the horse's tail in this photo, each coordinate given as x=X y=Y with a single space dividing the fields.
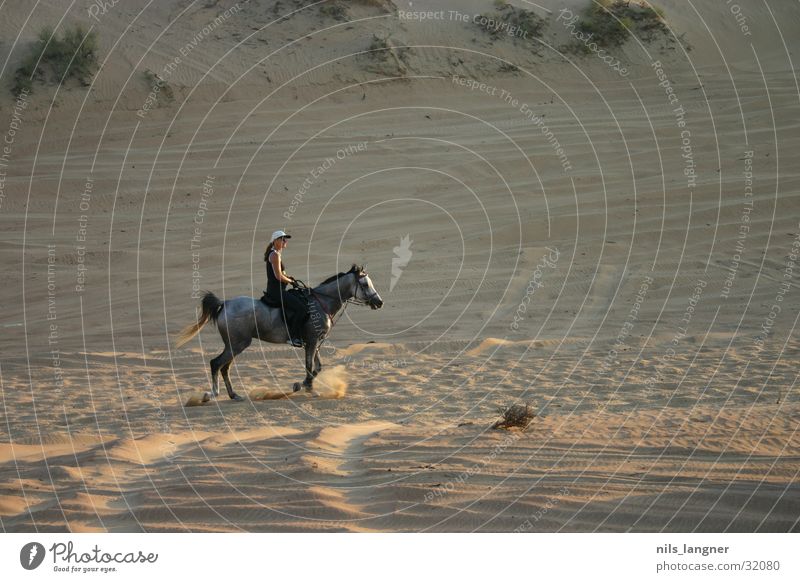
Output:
x=212 y=307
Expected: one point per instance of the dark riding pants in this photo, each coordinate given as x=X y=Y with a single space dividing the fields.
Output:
x=295 y=309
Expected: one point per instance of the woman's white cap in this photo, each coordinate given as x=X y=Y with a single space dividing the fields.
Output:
x=279 y=234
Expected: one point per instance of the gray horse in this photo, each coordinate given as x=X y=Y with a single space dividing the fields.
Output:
x=241 y=319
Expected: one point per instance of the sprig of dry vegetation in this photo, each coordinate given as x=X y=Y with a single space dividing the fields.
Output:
x=159 y=86
x=515 y=416
x=386 y=56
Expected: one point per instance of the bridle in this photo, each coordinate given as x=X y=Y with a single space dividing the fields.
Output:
x=355 y=300
x=359 y=286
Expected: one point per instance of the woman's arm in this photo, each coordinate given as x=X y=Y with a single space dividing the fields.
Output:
x=275 y=261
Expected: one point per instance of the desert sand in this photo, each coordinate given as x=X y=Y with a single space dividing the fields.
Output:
x=618 y=251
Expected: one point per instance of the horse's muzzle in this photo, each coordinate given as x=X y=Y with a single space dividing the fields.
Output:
x=376 y=303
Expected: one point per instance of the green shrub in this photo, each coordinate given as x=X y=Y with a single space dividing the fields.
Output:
x=385 y=5
x=159 y=86
x=659 y=12
x=339 y=10
x=54 y=60
x=379 y=48
x=611 y=22
x=334 y=10
x=510 y=21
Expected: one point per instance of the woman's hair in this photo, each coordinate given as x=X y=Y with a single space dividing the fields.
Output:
x=270 y=246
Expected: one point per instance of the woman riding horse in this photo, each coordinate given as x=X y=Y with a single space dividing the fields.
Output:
x=294 y=305
x=242 y=319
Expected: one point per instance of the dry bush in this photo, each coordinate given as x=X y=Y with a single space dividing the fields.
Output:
x=515 y=416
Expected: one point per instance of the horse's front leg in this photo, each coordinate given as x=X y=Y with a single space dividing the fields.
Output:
x=317 y=363
x=311 y=348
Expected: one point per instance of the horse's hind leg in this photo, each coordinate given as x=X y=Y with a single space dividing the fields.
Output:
x=237 y=349
x=216 y=364
x=224 y=371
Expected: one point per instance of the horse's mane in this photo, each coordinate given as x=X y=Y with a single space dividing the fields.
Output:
x=353 y=269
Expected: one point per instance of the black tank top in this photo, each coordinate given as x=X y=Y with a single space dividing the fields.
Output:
x=274 y=287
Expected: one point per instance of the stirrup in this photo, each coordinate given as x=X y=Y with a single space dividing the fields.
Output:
x=295 y=343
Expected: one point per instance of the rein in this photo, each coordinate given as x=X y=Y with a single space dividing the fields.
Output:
x=322 y=306
x=334 y=318
x=338 y=315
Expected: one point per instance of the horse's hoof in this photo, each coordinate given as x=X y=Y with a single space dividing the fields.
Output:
x=236 y=398
x=206 y=397
x=296 y=387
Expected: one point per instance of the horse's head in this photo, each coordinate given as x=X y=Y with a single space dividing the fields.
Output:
x=364 y=290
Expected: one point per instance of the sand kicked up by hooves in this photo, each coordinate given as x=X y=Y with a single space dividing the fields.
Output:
x=198 y=399
x=331 y=384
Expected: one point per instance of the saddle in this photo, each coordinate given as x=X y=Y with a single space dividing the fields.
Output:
x=269 y=302
x=302 y=293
